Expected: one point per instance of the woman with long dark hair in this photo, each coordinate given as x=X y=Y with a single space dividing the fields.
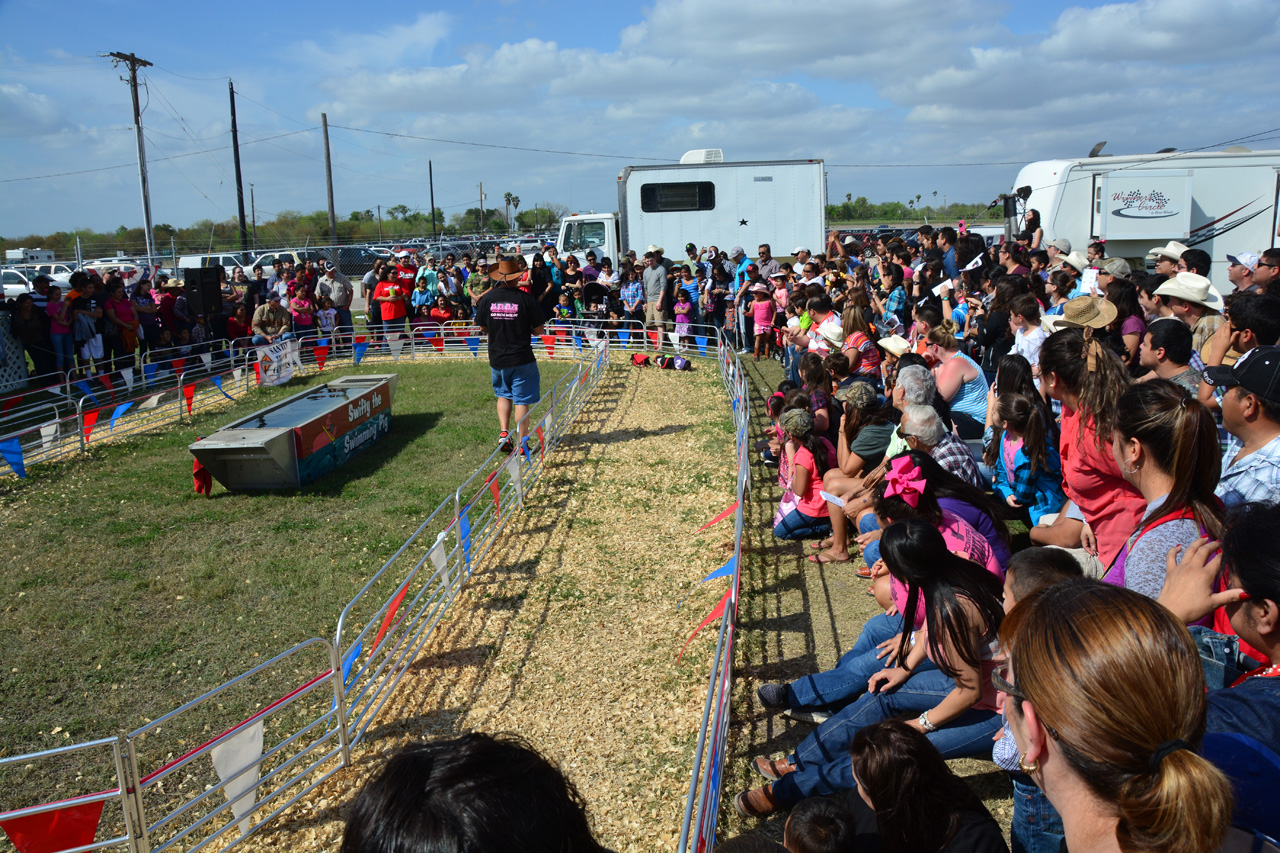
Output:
x=1088 y=379
x=918 y=803
x=944 y=677
x=1166 y=445
x=1129 y=325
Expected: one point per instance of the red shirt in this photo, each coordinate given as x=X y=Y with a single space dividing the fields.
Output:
x=1113 y=508
x=390 y=310
x=405 y=275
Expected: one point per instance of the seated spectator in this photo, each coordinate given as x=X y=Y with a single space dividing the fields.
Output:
x=1036 y=824
x=1250 y=403
x=1107 y=704
x=916 y=802
x=478 y=793
x=1194 y=301
x=803 y=512
x=922 y=429
x=948 y=670
x=1166 y=354
x=961 y=381
x=819 y=825
x=1163 y=441
x=271 y=321
x=1028 y=470
x=1253 y=320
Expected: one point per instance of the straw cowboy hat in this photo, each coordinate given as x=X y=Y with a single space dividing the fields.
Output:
x=1087 y=312
x=1173 y=251
x=1190 y=287
x=505 y=270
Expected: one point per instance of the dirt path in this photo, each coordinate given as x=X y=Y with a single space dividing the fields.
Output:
x=568 y=633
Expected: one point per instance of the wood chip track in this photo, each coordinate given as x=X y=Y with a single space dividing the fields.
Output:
x=568 y=633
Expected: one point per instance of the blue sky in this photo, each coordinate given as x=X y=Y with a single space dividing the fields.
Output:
x=860 y=84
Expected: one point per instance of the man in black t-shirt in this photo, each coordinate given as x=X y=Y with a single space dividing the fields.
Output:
x=510 y=317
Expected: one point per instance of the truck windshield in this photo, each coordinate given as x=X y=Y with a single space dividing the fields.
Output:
x=583 y=235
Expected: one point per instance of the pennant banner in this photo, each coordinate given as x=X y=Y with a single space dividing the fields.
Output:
x=438 y=343
x=207 y=359
x=702 y=345
x=236 y=762
x=390 y=615
x=66 y=828
x=151 y=402
x=257 y=371
x=179 y=364
x=9 y=403
x=48 y=434
x=495 y=489
x=322 y=355
x=549 y=343
x=396 y=345
x=11 y=450
x=217 y=381
x=189 y=394
x=237 y=374
x=473 y=344
x=624 y=335
x=149 y=373
x=119 y=410
x=360 y=348
x=542 y=444
x=577 y=342
x=715 y=613
x=436 y=553
x=84 y=388
x=513 y=471
x=464 y=536
x=348 y=662
x=90 y=418
x=656 y=339
x=721 y=517
x=105 y=379
x=128 y=377
x=562 y=333
x=674 y=338
x=724 y=571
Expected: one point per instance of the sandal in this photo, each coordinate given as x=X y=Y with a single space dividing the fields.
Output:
x=824 y=559
x=863 y=571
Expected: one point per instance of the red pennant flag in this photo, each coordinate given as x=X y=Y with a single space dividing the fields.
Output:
x=542 y=444
x=62 y=829
x=391 y=614
x=201 y=479
x=438 y=343
x=562 y=333
x=721 y=517
x=178 y=364
x=9 y=403
x=361 y=338
x=90 y=418
x=322 y=355
x=257 y=372
x=583 y=379
x=105 y=379
x=189 y=392
x=549 y=341
x=656 y=337
x=715 y=613
x=495 y=489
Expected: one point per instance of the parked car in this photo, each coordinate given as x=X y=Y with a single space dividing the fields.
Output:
x=15 y=283
x=228 y=260
x=355 y=260
x=268 y=261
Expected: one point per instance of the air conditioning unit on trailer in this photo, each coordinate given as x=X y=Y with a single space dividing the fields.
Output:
x=702 y=155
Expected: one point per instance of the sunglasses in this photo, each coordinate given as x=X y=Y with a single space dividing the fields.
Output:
x=999 y=682
x=904 y=436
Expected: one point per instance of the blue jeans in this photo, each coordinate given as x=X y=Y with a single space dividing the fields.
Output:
x=1037 y=826
x=871 y=552
x=1219 y=656
x=797 y=525
x=822 y=759
x=63 y=350
x=849 y=678
x=345 y=326
x=260 y=341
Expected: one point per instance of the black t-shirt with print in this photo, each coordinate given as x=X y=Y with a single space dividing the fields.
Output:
x=510 y=315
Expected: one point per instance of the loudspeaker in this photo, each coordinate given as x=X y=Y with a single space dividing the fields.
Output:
x=204 y=296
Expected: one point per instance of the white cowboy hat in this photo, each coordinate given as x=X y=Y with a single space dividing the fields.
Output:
x=1173 y=251
x=1192 y=288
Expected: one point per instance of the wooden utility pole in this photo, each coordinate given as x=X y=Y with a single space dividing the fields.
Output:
x=134 y=64
x=431 y=182
x=235 y=156
x=328 y=177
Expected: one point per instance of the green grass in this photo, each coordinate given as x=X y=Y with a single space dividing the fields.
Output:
x=125 y=594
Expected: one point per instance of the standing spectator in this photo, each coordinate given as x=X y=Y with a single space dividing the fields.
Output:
x=1195 y=302
x=342 y=292
x=633 y=298
x=86 y=312
x=1251 y=416
x=510 y=317
x=120 y=331
x=655 y=284
x=29 y=328
x=256 y=290
x=392 y=296
x=144 y=305
x=60 y=331
x=302 y=309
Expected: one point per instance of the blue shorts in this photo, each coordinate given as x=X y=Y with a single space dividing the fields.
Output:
x=520 y=385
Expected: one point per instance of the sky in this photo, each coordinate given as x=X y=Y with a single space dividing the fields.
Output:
x=899 y=97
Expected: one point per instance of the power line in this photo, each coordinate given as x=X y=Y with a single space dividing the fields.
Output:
x=64 y=132
x=504 y=147
x=198 y=79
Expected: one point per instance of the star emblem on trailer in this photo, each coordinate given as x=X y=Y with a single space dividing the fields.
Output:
x=742 y=222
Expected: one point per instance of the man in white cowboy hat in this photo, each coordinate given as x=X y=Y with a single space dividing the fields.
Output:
x=1193 y=300
x=1166 y=258
x=1074 y=264
x=510 y=317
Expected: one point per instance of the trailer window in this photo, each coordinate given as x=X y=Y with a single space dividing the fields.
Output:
x=685 y=195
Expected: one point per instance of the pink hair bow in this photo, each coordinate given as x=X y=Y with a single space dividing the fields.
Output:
x=904 y=480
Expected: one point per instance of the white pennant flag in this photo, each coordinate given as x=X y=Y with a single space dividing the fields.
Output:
x=207 y=359
x=151 y=402
x=437 y=552
x=237 y=373
x=674 y=338
x=513 y=471
x=237 y=753
x=48 y=433
x=128 y=377
x=396 y=345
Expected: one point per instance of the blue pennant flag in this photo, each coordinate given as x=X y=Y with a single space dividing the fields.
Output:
x=624 y=335
x=348 y=661
x=464 y=534
x=734 y=401
x=473 y=344
x=217 y=380
x=427 y=333
x=149 y=373
x=120 y=410
x=577 y=342
x=84 y=386
x=702 y=345
x=322 y=342
x=360 y=349
x=11 y=450
x=724 y=571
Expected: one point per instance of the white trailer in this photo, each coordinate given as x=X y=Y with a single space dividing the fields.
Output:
x=28 y=256
x=1224 y=202
x=708 y=202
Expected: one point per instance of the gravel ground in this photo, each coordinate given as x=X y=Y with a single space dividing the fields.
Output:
x=568 y=634
x=796 y=617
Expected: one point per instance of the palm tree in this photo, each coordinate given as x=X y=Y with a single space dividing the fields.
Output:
x=515 y=206
x=506 y=197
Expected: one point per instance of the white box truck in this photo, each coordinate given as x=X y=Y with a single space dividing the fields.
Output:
x=1224 y=202
x=706 y=201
